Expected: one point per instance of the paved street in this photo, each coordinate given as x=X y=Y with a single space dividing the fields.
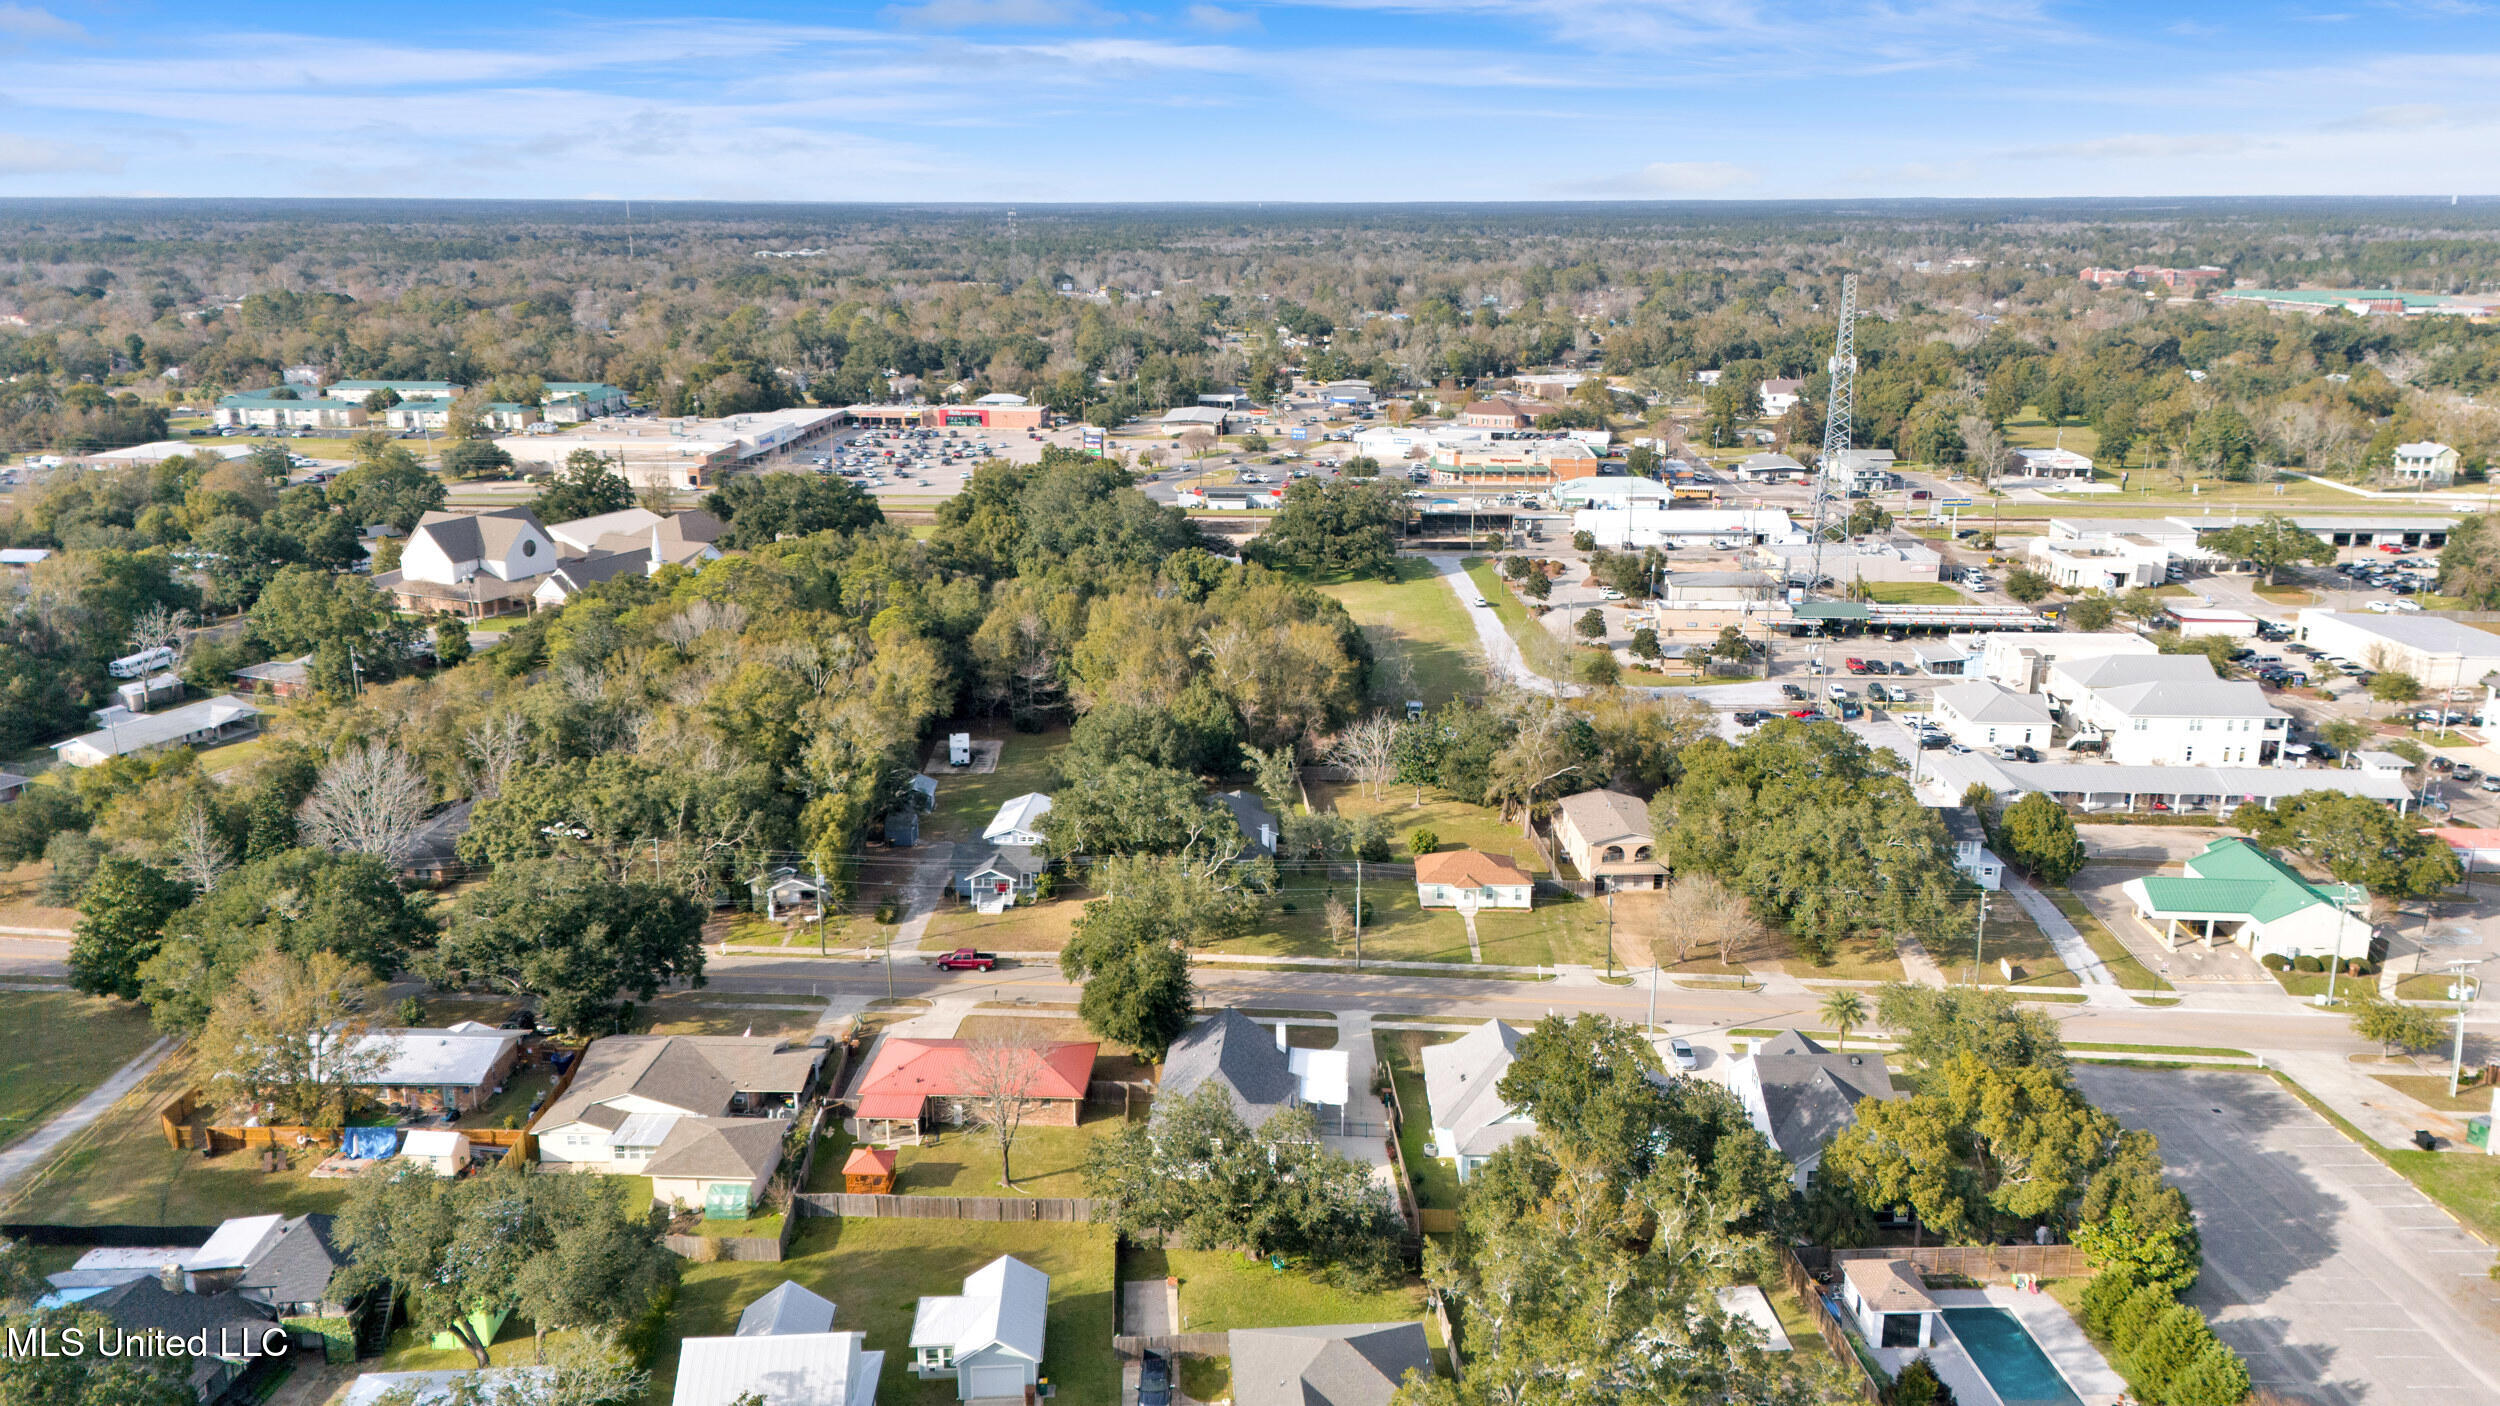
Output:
x=2334 y=1277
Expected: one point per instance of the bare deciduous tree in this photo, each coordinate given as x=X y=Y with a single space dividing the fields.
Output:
x=369 y=800
x=1720 y=915
x=200 y=852
x=1366 y=750
x=497 y=748
x=1340 y=921
x=999 y=1078
x=157 y=627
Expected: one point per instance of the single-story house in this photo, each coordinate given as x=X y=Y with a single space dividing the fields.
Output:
x=1801 y=1095
x=1258 y=827
x=1470 y=1119
x=12 y=786
x=993 y=882
x=635 y=1101
x=785 y=888
x=2238 y=892
x=434 y=855
x=286 y=1262
x=1610 y=841
x=224 y=718
x=719 y=1164
x=906 y=1076
x=1467 y=879
x=455 y=1068
x=785 y=1352
x=1889 y=1302
x=989 y=1337
x=1340 y=1364
x=280 y=678
x=245 y=1340
x=1982 y=714
x=1239 y=1055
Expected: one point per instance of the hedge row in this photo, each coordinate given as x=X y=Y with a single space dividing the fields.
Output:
x=2162 y=1347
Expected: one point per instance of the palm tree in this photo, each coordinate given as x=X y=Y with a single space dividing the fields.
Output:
x=1845 y=1010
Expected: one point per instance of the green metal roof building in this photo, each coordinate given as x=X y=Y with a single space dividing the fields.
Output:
x=2235 y=891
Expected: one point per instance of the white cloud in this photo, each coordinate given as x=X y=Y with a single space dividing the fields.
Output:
x=1679 y=178
x=997 y=14
x=23 y=156
x=1218 y=20
x=25 y=22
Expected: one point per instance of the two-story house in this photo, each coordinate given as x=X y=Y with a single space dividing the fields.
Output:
x=2169 y=710
x=472 y=564
x=1609 y=839
x=1971 y=854
x=2423 y=464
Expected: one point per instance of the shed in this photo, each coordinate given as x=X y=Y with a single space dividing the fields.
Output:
x=869 y=1171
x=443 y=1150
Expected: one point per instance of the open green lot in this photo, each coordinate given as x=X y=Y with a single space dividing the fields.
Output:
x=964 y=1162
x=1559 y=929
x=1422 y=642
x=56 y=1048
x=2115 y=958
x=1536 y=645
x=876 y=1272
x=965 y=803
x=1913 y=593
x=1434 y=1180
x=1028 y=927
x=1221 y=1290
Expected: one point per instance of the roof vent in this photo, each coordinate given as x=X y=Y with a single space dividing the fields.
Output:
x=1857 y=1059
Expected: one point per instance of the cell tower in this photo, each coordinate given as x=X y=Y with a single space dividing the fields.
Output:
x=1831 y=509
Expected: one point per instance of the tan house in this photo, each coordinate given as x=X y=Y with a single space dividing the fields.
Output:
x=1609 y=839
x=1468 y=879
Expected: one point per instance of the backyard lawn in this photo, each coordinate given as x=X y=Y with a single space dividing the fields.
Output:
x=121 y=1171
x=1048 y=1161
x=21 y=903
x=965 y=803
x=55 y=1048
x=1460 y=825
x=876 y=1271
x=1423 y=644
x=1221 y=1290
x=1913 y=593
x=1435 y=1181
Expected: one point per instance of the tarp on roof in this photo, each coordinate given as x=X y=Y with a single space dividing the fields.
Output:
x=368 y=1142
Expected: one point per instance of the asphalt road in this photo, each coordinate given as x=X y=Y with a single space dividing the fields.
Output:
x=2335 y=1278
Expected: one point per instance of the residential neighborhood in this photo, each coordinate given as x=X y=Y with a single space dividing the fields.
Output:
x=761 y=806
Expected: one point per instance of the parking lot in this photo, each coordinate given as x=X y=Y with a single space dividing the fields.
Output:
x=2337 y=1280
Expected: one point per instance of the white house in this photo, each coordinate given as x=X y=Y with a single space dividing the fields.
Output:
x=2235 y=891
x=2423 y=464
x=205 y=723
x=1801 y=1095
x=785 y=1352
x=1980 y=714
x=2021 y=660
x=1780 y=395
x=1018 y=820
x=1971 y=854
x=1889 y=1303
x=1470 y=1119
x=2169 y=710
x=989 y=1337
x=1467 y=879
x=1768 y=468
x=687 y=1111
x=473 y=563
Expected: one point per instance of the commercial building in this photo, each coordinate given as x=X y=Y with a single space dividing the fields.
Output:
x=285 y=408
x=2052 y=464
x=2022 y=662
x=1711 y=590
x=1727 y=528
x=2169 y=710
x=2142 y=274
x=2439 y=653
x=2364 y=302
x=983 y=414
x=1613 y=491
x=684 y=453
x=1768 y=468
x=1505 y=413
x=1535 y=463
x=2102 y=561
x=471 y=564
x=1844 y=562
x=2235 y=891
x=1980 y=714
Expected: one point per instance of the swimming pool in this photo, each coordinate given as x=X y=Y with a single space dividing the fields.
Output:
x=2005 y=1354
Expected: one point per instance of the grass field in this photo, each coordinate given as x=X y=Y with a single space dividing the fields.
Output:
x=54 y=1049
x=2120 y=963
x=876 y=1272
x=1221 y=1291
x=1422 y=642
x=1536 y=644
x=960 y=1162
x=966 y=803
x=1913 y=593
x=1861 y=959
x=1558 y=929
x=1028 y=927
x=122 y=1171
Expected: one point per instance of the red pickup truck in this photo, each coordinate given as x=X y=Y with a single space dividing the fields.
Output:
x=964 y=959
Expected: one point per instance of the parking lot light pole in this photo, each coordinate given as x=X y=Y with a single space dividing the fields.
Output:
x=2462 y=992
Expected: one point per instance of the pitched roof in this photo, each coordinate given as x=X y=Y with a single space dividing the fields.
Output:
x=1017 y=813
x=944 y=1068
x=1013 y=861
x=1983 y=702
x=235 y=1242
x=788 y=1308
x=1249 y=815
x=155 y=729
x=1004 y=1304
x=2185 y=698
x=1811 y=1093
x=2233 y=878
x=2118 y=670
x=696 y=1073
x=1460 y=1079
x=1600 y=816
x=1962 y=825
x=1231 y=1049
x=869 y=1161
x=1344 y=1364
x=1467 y=868
x=583 y=572
x=582 y=534
x=462 y=1057
x=479 y=535
x=295 y=1264
x=721 y=1149
x=142 y=1304
x=796 y=1369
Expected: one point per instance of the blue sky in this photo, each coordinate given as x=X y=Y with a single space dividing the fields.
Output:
x=1039 y=100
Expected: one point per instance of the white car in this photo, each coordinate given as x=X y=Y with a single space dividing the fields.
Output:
x=2407 y=607
x=2379 y=607
x=1483 y=604
x=1610 y=593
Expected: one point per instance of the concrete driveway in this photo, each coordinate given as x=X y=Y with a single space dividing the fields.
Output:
x=2146 y=844
x=2336 y=1279
x=2098 y=886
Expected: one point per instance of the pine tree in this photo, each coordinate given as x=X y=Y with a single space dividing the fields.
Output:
x=2217 y=1377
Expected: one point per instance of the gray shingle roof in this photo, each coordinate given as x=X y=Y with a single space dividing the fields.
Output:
x=2187 y=698
x=1344 y=1364
x=697 y=1073
x=1460 y=1080
x=2116 y=670
x=1601 y=816
x=726 y=1149
x=145 y=1303
x=1233 y=1050
x=1812 y=1093
x=1987 y=703
x=475 y=536
x=295 y=1265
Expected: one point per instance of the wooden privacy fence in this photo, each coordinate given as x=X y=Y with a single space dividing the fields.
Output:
x=1835 y=1337
x=1449 y=1334
x=1983 y=1261
x=991 y=1208
x=703 y=1249
x=177 y=1120
x=1130 y=1348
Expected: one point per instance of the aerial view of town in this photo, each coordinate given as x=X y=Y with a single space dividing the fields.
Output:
x=993 y=702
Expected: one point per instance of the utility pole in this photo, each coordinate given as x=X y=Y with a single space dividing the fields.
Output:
x=818 y=869
x=1610 y=944
x=1979 y=938
x=1358 y=906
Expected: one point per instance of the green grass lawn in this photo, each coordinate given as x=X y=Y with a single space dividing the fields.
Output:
x=1460 y=825
x=1536 y=643
x=122 y=1171
x=511 y=1107
x=2432 y=1089
x=2115 y=958
x=1435 y=1181
x=876 y=1272
x=1398 y=928
x=1221 y=1291
x=964 y=1162
x=1028 y=927
x=1423 y=645
x=966 y=803
x=1913 y=593
x=56 y=1048
x=1860 y=959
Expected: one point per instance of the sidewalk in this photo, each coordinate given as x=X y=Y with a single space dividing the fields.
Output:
x=27 y=1155
x=2061 y=932
x=2386 y=1115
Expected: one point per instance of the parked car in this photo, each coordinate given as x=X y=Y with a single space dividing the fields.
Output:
x=2491 y=783
x=1793 y=693
x=1855 y=666
x=1682 y=1050
x=1154 y=1380
x=965 y=959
